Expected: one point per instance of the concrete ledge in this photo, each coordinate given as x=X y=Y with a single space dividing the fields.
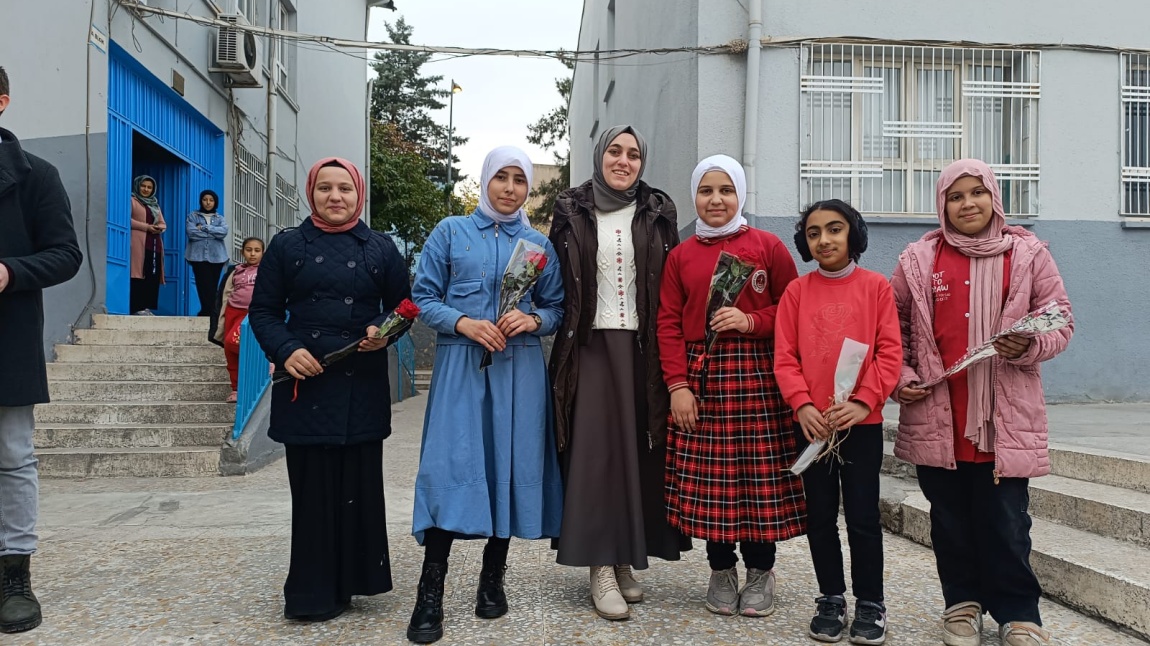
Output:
x=158 y=462
x=117 y=436
x=1100 y=576
x=253 y=450
x=1112 y=468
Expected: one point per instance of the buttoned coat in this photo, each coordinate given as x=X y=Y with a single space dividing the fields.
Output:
x=320 y=291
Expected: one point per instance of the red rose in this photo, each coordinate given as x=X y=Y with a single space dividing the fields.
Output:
x=539 y=260
x=407 y=309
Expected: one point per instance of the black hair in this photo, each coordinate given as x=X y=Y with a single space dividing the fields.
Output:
x=253 y=239
x=214 y=196
x=856 y=237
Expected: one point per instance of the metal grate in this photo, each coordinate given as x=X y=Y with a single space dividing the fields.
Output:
x=287 y=205
x=1136 y=134
x=880 y=122
x=251 y=204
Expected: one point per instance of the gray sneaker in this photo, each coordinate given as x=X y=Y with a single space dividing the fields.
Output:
x=757 y=598
x=723 y=592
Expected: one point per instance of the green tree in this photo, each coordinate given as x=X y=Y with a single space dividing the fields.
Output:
x=403 y=96
x=404 y=202
x=550 y=132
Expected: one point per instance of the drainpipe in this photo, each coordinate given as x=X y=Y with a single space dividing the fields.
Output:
x=751 y=114
x=273 y=106
x=367 y=152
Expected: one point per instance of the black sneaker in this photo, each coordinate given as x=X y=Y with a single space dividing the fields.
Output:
x=869 y=626
x=828 y=624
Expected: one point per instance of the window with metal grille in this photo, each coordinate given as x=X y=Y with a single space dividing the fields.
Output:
x=285 y=50
x=880 y=122
x=287 y=205
x=1136 y=134
x=251 y=202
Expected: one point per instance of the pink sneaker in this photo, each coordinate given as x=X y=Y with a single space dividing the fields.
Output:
x=231 y=398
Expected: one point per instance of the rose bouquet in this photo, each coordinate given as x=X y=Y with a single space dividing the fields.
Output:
x=850 y=362
x=396 y=323
x=523 y=268
x=727 y=282
x=1048 y=318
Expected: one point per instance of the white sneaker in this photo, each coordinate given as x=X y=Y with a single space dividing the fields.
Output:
x=1023 y=633
x=962 y=624
x=630 y=588
x=609 y=601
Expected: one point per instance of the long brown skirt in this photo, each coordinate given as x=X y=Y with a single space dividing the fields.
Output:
x=613 y=509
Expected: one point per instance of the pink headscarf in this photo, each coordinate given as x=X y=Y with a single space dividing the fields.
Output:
x=984 y=249
x=356 y=178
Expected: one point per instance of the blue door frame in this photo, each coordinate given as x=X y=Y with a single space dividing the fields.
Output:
x=138 y=102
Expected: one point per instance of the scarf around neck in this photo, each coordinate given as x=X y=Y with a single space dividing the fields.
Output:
x=734 y=170
x=608 y=199
x=497 y=160
x=357 y=180
x=150 y=201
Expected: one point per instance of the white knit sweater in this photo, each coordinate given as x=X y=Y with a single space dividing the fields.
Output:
x=615 y=308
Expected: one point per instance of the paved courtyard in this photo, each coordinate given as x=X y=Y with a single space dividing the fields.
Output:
x=202 y=561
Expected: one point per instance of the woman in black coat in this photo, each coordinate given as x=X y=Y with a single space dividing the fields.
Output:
x=338 y=280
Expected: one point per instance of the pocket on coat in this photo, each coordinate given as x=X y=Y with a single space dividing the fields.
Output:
x=466 y=296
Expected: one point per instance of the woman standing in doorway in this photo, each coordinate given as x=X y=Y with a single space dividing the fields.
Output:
x=322 y=285
x=207 y=252
x=147 y=247
x=612 y=235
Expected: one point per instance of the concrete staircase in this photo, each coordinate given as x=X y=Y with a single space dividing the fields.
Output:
x=136 y=396
x=422 y=380
x=1091 y=528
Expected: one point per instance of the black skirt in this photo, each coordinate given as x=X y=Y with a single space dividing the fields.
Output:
x=613 y=508
x=338 y=528
x=145 y=292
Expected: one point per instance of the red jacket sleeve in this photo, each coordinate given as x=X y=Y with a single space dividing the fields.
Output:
x=788 y=368
x=672 y=346
x=886 y=361
x=781 y=271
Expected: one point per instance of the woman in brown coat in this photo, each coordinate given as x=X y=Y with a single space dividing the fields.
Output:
x=147 y=247
x=612 y=235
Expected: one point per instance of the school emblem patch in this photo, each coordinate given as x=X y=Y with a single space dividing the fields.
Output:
x=759 y=281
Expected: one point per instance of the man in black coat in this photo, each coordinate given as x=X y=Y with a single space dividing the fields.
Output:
x=37 y=249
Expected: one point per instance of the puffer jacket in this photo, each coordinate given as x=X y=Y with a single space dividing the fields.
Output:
x=926 y=428
x=654 y=233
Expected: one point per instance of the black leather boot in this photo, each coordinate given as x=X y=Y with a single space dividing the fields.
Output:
x=490 y=600
x=427 y=619
x=19 y=609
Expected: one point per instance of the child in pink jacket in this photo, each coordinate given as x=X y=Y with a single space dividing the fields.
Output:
x=979 y=436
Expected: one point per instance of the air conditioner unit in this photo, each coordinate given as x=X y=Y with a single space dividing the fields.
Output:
x=237 y=52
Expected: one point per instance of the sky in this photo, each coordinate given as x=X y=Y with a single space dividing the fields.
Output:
x=501 y=94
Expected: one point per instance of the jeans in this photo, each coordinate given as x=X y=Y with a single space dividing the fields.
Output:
x=857 y=476
x=981 y=536
x=19 y=485
x=760 y=556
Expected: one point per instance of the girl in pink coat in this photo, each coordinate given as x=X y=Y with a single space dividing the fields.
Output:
x=978 y=436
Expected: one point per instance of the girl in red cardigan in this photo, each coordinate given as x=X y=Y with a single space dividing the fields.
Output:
x=728 y=453
x=839 y=301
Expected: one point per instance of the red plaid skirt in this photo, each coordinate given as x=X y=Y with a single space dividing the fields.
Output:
x=729 y=479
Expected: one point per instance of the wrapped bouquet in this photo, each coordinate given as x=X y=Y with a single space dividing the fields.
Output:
x=727 y=282
x=524 y=268
x=850 y=362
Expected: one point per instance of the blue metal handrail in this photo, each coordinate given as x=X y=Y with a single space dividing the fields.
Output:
x=254 y=377
x=405 y=367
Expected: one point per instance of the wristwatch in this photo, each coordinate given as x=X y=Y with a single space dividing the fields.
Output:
x=538 y=321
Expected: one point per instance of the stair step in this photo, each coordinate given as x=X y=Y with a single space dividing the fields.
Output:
x=124 y=436
x=154 y=412
x=133 y=354
x=151 y=323
x=134 y=391
x=154 y=372
x=141 y=337
x=1101 y=576
x=1113 y=512
x=1112 y=468
x=170 y=462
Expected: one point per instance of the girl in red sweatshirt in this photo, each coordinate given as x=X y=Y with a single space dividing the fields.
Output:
x=728 y=452
x=839 y=301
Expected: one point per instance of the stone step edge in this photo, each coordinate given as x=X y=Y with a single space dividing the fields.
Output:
x=146 y=402
x=1131 y=504
x=120 y=426
x=149 y=450
x=1078 y=579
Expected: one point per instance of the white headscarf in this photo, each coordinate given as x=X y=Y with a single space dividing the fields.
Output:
x=738 y=176
x=496 y=160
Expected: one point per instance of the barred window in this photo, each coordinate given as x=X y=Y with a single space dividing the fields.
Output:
x=287 y=205
x=1136 y=134
x=880 y=122
x=251 y=201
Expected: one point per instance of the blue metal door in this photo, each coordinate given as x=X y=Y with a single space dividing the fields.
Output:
x=191 y=159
